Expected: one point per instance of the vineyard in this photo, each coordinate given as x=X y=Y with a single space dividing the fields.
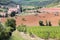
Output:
x=44 y=32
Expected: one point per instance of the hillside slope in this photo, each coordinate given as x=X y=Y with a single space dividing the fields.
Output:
x=55 y=3
x=41 y=3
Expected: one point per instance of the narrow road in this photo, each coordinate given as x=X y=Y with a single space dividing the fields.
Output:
x=28 y=37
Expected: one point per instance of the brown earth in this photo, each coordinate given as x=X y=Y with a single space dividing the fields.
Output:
x=33 y=20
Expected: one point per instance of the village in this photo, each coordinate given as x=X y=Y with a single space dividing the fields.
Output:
x=9 y=8
x=37 y=15
x=33 y=14
x=29 y=19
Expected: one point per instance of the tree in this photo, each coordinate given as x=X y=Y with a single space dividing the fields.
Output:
x=47 y=23
x=21 y=8
x=5 y=32
x=59 y=22
x=50 y=23
x=41 y=23
x=11 y=23
x=23 y=19
x=1 y=27
x=6 y=15
x=13 y=14
x=22 y=28
x=38 y=11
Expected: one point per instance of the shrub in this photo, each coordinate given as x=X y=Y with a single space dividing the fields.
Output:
x=11 y=23
x=47 y=23
x=6 y=15
x=1 y=16
x=31 y=34
x=22 y=28
x=5 y=32
x=50 y=23
x=21 y=9
x=38 y=11
x=13 y=14
x=23 y=19
x=41 y=23
x=59 y=22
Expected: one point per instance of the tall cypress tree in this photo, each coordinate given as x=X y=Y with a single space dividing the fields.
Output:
x=50 y=23
x=59 y=22
x=47 y=23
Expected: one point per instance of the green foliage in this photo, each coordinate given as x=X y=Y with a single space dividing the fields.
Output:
x=50 y=23
x=30 y=33
x=13 y=14
x=5 y=32
x=47 y=23
x=21 y=8
x=23 y=19
x=22 y=28
x=11 y=23
x=1 y=10
x=44 y=32
x=59 y=22
x=6 y=15
x=1 y=27
x=52 y=35
x=41 y=23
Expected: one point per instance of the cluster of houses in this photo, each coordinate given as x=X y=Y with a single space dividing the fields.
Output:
x=8 y=8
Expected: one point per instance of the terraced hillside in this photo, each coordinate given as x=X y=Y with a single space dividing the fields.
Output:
x=38 y=2
x=41 y=3
x=33 y=20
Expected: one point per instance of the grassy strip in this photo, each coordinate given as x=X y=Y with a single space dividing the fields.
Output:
x=45 y=32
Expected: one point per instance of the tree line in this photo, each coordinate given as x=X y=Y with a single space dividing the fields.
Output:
x=48 y=23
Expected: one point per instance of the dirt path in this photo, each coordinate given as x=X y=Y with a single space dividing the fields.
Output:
x=27 y=37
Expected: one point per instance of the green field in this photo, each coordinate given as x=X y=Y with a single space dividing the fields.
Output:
x=44 y=31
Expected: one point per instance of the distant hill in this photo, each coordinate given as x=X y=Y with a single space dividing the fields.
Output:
x=55 y=3
x=34 y=2
x=41 y=3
